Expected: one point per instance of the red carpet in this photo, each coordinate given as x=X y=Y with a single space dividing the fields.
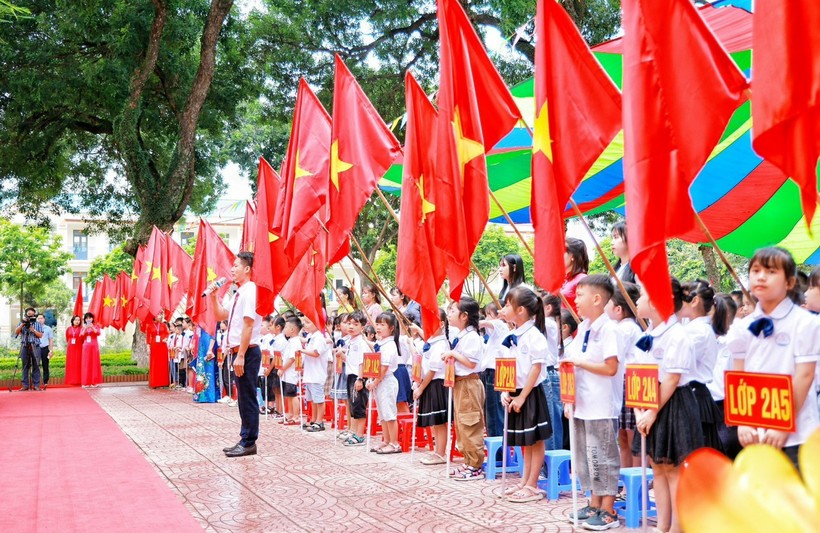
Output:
x=66 y=466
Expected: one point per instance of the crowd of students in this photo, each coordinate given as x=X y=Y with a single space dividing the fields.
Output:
x=711 y=332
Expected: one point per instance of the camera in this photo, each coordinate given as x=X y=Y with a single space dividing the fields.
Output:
x=29 y=321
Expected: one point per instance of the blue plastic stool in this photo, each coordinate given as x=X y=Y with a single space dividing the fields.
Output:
x=631 y=508
x=492 y=468
x=558 y=478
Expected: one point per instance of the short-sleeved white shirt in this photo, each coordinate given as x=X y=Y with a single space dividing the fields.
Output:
x=796 y=339
x=316 y=367
x=628 y=334
x=278 y=344
x=530 y=349
x=671 y=351
x=265 y=345
x=552 y=335
x=597 y=397
x=389 y=354
x=471 y=346
x=291 y=375
x=723 y=362
x=243 y=305
x=493 y=348
x=704 y=343
x=355 y=355
x=431 y=359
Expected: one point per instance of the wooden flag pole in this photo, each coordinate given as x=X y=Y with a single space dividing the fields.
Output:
x=532 y=254
x=472 y=264
x=357 y=295
x=609 y=266
x=723 y=258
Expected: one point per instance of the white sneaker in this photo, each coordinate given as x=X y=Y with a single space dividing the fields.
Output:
x=232 y=403
x=189 y=390
x=224 y=399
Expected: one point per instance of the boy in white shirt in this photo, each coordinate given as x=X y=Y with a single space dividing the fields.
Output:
x=278 y=344
x=288 y=374
x=599 y=393
x=316 y=355
x=264 y=380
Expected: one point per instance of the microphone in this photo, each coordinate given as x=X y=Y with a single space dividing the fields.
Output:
x=220 y=282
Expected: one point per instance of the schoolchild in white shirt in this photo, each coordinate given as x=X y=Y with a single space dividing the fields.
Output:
x=316 y=354
x=779 y=337
x=599 y=395
x=278 y=345
x=386 y=386
x=288 y=373
x=496 y=330
x=431 y=393
x=357 y=394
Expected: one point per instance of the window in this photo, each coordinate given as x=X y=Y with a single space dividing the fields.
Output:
x=226 y=238
x=77 y=279
x=80 y=245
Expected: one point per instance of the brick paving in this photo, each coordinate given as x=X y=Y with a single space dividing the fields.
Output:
x=303 y=481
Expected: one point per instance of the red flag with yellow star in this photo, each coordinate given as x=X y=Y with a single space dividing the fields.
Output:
x=306 y=173
x=420 y=265
x=578 y=113
x=681 y=88
x=178 y=274
x=95 y=305
x=212 y=260
x=304 y=288
x=123 y=286
x=248 y=228
x=156 y=294
x=271 y=266
x=78 y=302
x=476 y=110
x=136 y=305
x=361 y=151
x=786 y=88
x=108 y=301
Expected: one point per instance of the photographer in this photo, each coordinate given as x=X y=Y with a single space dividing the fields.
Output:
x=30 y=333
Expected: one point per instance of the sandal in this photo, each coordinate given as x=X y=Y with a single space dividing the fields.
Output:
x=469 y=474
x=390 y=448
x=510 y=491
x=355 y=440
x=290 y=422
x=434 y=459
x=343 y=435
x=524 y=495
x=378 y=446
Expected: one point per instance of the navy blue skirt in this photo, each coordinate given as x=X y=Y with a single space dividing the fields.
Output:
x=405 y=385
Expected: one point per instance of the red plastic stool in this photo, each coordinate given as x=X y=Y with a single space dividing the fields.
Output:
x=453 y=439
x=375 y=427
x=342 y=416
x=424 y=436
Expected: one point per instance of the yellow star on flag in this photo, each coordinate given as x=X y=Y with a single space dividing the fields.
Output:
x=468 y=149
x=124 y=301
x=171 y=278
x=300 y=172
x=541 y=141
x=272 y=237
x=156 y=273
x=313 y=257
x=107 y=301
x=211 y=274
x=134 y=274
x=337 y=166
x=426 y=207
x=147 y=268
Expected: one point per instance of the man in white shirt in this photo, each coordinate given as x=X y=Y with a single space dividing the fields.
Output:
x=242 y=340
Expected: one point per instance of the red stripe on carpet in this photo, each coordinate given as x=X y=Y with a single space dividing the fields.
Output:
x=68 y=467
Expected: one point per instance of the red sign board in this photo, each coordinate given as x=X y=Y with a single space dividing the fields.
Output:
x=642 y=387
x=759 y=400
x=300 y=361
x=505 y=374
x=450 y=373
x=339 y=364
x=372 y=366
x=277 y=360
x=567 y=377
x=417 y=377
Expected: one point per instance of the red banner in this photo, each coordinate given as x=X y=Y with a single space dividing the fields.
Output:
x=300 y=361
x=372 y=366
x=450 y=373
x=417 y=377
x=505 y=374
x=339 y=364
x=642 y=386
x=759 y=400
x=567 y=377
x=277 y=360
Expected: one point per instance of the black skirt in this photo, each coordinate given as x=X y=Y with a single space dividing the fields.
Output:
x=711 y=416
x=433 y=404
x=532 y=423
x=676 y=432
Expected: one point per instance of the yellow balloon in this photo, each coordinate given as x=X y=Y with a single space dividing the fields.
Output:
x=810 y=466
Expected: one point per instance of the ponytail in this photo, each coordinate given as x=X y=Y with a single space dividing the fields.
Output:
x=524 y=297
x=442 y=315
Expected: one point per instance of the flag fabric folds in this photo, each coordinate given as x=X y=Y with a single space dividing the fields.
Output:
x=78 y=303
x=123 y=289
x=578 y=113
x=271 y=266
x=212 y=260
x=362 y=149
x=476 y=110
x=109 y=300
x=680 y=88
x=95 y=305
x=156 y=294
x=248 y=228
x=178 y=273
x=419 y=263
x=786 y=92
x=303 y=289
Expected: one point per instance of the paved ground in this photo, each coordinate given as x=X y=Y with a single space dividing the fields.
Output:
x=302 y=481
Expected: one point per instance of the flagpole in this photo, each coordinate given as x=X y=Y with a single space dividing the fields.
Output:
x=472 y=264
x=357 y=295
x=723 y=257
x=529 y=250
x=609 y=266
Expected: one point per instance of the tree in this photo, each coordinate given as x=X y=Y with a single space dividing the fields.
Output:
x=494 y=245
x=56 y=296
x=30 y=258
x=132 y=90
x=385 y=266
x=112 y=263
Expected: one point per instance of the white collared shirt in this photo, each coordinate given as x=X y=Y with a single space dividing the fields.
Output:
x=316 y=367
x=493 y=348
x=431 y=359
x=796 y=339
x=291 y=375
x=530 y=349
x=628 y=334
x=389 y=354
x=671 y=351
x=355 y=355
x=471 y=346
x=597 y=397
x=705 y=344
x=243 y=306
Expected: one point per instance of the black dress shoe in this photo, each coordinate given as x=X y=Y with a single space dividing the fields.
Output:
x=23 y=388
x=38 y=389
x=241 y=451
x=229 y=448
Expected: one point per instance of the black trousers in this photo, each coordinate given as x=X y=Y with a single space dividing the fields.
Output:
x=246 y=396
x=30 y=353
x=44 y=360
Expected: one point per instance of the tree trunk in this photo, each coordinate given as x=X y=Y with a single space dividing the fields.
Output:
x=712 y=271
x=139 y=346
